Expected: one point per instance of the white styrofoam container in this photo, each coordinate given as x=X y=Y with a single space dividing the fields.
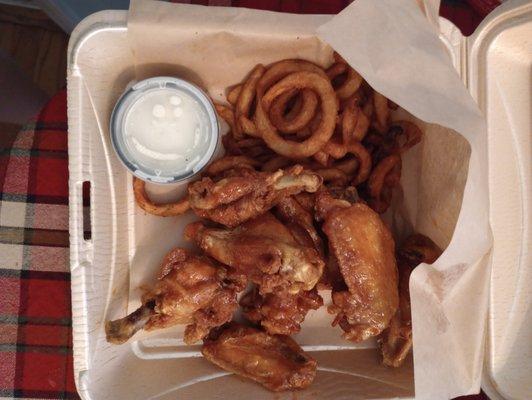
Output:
x=495 y=64
x=499 y=76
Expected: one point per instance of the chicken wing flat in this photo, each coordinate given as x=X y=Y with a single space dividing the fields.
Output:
x=248 y=194
x=189 y=291
x=276 y=362
x=363 y=249
x=279 y=313
x=264 y=250
x=396 y=341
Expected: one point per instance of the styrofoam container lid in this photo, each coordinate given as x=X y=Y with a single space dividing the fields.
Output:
x=499 y=77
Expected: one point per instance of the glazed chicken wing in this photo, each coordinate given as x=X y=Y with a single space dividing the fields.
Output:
x=190 y=291
x=363 y=249
x=280 y=313
x=276 y=362
x=396 y=341
x=248 y=194
x=264 y=250
x=300 y=222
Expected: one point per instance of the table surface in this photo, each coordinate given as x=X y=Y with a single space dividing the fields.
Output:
x=35 y=313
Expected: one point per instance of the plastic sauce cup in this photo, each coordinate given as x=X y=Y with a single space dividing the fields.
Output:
x=164 y=129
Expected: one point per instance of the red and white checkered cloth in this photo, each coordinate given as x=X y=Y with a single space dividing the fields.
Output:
x=35 y=323
x=35 y=314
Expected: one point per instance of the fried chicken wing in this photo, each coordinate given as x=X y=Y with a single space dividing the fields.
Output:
x=363 y=249
x=306 y=200
x=280 y=313
x=264 y=250
x=190 y=290
x=300 y=222
x=396 y=341
x=326 y=201
x=247 y=194
x=276 y=362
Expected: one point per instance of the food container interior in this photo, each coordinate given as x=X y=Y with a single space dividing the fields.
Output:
x=127 y=246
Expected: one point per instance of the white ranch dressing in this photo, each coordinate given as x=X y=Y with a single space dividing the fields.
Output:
x=166 y=130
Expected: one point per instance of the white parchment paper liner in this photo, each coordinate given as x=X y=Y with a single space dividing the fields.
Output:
x=398 y=52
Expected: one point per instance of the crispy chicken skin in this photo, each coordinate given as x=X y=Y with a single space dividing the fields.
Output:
x=264 y=250
x=300 y=222
x=363 y=249
x=190 y=290
x=276 y=362
x=248 y=193
x=396 y=341
x=279 y=313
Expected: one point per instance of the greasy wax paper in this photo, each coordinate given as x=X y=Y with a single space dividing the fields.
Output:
x=396 y=48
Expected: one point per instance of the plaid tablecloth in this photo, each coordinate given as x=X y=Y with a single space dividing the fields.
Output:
x=35 y=323
x=35 y=314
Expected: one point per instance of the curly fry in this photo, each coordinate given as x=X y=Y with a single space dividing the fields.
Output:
x=251 y=147
x=227 y=114
x=299 y=116
x=333 y=175
x=392 y=105
x=228 y=162
x=364 y=158
x=409 y=130
x=248 y=127
x=244 y=101
x=304 y=133
x=335 y=70
x=276 y=163
x=338 y=58
x=238 y=147
x=362 y=126
x=368 y=108
x=261 y=151
x=161 y=210
x=323 y=132
x=384 y=177
x=335 y=149
x=349 y=166
x=233 y=93
x=348 y=121
x=321 y=158
x=355 y=124
x=382 y=112
x=280 y=69
x=358 y=99
x=379 y=175
x=351 y=83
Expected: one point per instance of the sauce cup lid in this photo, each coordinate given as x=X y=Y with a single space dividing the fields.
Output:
x=120 y=114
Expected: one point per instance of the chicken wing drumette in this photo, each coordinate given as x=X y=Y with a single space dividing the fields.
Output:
x=265 y=251
x=191 y=290
x=276 y=362
x=363 y=250
x=246 y=193
x=396 y=341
